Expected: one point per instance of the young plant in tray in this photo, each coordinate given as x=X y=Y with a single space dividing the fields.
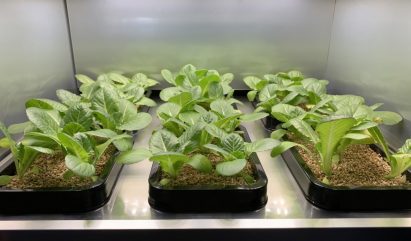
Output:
x=349 y=121
x=204 y=85
x=80 y=128
x=286 y=88
x=197 y=141
x=132 y=89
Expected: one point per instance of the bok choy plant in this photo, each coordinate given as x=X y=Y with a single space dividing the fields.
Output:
x=204 y=85
x=82 y=128
x=345 y=121
x=290 y=88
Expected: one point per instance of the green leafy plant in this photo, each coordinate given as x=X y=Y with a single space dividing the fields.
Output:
x=82 y=127
x=203 y=84
x=344 y=122
x=132 y=89
x=290 y=88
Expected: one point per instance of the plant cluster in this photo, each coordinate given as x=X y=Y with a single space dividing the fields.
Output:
x=198 y=119
x=82 y=126
x=330 y=122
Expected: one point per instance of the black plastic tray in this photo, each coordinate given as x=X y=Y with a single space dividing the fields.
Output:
x=209 y=198
x=58 y=200
x=269 y=122
x=346 y=198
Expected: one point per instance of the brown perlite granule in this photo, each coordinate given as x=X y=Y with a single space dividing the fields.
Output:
x=359 y=165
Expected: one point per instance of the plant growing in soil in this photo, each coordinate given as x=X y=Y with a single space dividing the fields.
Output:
x=132 y=89
x=80 y=128
x=344 y=122
x=203 y=84
x=290 y=88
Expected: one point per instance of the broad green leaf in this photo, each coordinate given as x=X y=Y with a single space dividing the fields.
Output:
x=72 y=128
x=146 y=101
x=375 y=132
x=118 y=78
x=123 y=144
x=42 y=149
x=200 y=163
x=251 y=82
x=18 y=128
x=219 y=150
x=356 y=136
x=208 y=117
x=189 y=117
x=232 y=143
x=406 y=148
x=4 y=180
x=222 y=107
x=295 y=75
x=285 y=112
x=251 y=95
x=169 y=109
x=163 y=141
x=284 y=146
x=46 y=104
x=230 y=168
x=73 y=146
x=170 y=162
x=278 y=134
x=261 y=145
x=268 y=92
x=100 y=149
x=364 y=126
x=253 y=116
x=315 y=86
x=104 y=133
x=128 y=119
x=215 y=90
x=181 y=99
x=227 y=78
x=399 y=164
x=84 y=79
x=79 y=114
x=79 y=167
x=48 y=121
x=168 y=76
x=133 y=156
x=68 y=98
x=206 y=81
x=41 y=140
x=305 y=129
x=216 y=132
x=330 y=134
x=27 y=157
x=105 y=101
x=386 y=117
x=4 y=143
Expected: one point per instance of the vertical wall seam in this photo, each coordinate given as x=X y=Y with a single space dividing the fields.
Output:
x=330 y=39
x=73 y=63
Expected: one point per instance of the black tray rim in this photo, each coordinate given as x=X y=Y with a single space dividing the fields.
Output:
x=310 y=175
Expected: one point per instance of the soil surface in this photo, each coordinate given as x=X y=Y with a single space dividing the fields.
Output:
x=47 y=172
x=189 y=176
x=359 y=165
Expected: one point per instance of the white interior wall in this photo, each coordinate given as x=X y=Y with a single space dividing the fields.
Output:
x=370 y=55
x=35 y=54
x=238 y=36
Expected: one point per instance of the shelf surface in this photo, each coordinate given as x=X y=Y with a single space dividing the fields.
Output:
x=128 y=208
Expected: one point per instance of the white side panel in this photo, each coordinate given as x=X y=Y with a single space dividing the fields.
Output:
x=370 y=55
x=239 y=36
x=35 y=54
